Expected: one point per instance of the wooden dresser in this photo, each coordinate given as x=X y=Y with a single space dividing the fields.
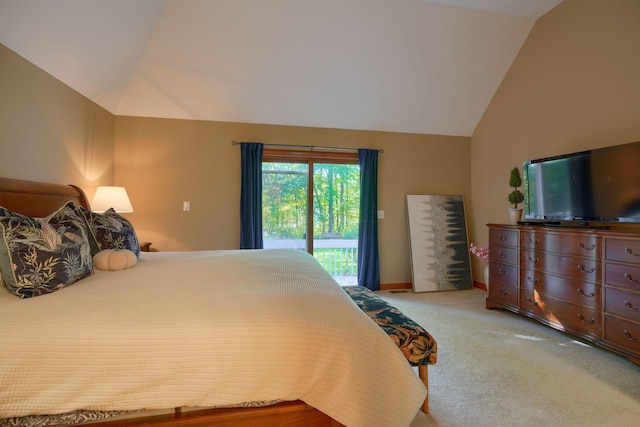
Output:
x=582 y=281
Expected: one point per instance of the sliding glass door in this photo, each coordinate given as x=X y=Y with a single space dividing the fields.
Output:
x=285 y=200
x=311 y=203
x=336 y=205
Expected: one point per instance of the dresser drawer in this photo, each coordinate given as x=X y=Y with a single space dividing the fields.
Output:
x=504 y=255
x=564 y=316
x=579 y=268
x=622 y=333
x=573 y=291
x=568 y=244
x=622 y=303
x=621 y=275
x=502 y=237
x=623 y=250
x=503 y=293
x=504 y=273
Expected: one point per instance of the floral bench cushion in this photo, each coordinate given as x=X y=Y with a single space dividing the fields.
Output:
x=417 y=345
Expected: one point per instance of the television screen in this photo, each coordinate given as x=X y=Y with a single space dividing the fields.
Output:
x=600 y=185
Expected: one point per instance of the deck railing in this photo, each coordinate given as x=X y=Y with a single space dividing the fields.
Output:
x=338 y=256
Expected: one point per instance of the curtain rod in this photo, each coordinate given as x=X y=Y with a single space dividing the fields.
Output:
x=311 y=147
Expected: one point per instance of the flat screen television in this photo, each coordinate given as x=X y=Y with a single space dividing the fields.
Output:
x=595 y=186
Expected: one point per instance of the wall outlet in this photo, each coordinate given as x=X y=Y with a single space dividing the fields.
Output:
x=380 y=214
x=186 y=206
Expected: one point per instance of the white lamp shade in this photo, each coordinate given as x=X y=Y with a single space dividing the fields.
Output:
x=111 y=197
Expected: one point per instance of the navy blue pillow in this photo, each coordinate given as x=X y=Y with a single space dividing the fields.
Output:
x=41 y=255
x=109 y=230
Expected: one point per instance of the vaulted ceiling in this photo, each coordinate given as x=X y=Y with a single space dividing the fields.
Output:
x=395 y=65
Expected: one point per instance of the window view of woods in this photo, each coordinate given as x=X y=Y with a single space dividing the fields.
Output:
x=336 y=200
x=284 y=200
x=330 y=230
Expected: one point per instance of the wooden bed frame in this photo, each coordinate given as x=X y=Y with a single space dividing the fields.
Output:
x=285 y=414
x=37 y=199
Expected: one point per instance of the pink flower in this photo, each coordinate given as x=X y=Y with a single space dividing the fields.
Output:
x=480 y=251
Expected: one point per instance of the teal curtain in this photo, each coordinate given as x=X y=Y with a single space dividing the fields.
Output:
x=251 y=195
x=368 y=258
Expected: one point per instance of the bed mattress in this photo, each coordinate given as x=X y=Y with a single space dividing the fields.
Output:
x=203 y=329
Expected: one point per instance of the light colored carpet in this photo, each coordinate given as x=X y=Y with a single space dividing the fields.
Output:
x=497 y=368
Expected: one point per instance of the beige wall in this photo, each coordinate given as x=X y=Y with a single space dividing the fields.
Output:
x=165 y=162
x=49 y=132
x=575 y=85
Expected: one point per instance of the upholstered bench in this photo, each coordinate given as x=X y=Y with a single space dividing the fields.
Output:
x=417 y=345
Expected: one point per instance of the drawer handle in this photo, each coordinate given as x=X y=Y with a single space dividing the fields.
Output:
x=502 y=254
x=503 y=293
x=581 y=292
x=533 y=240
x=631 y=279
x=588 y=248
x=584 y=270
x=532 y=302
x=502 y=271
x=532 y=279
x=630 y=338
x=629 y=251
x=583 y=320
x=630 y=306
x=502 y=237
x=534 y=260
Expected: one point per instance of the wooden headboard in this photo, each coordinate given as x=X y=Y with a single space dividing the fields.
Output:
x=38 y=199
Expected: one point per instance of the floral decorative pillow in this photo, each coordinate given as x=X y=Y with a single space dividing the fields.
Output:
x=41 y=255
x=109 y=230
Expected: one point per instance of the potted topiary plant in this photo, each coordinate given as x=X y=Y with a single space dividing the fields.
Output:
x=516 y=196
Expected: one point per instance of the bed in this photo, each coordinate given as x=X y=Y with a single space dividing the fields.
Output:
x=239 y=335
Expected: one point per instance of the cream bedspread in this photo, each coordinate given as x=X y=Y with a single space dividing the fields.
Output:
x=209 y=328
